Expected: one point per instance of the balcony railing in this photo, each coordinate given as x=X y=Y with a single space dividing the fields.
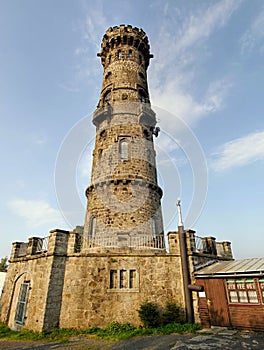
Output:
x=128 y=241
x=205 y=246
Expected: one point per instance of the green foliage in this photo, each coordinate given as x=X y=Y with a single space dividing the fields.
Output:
x=7 y=333
x=114 y=331
x=173 y=313
x=149 y=314
x=62 y=334
x=4 y=330
x=3 y=264
x=26 y=334
x=178 y=328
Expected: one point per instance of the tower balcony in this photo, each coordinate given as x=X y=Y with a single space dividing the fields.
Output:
x=139 y=112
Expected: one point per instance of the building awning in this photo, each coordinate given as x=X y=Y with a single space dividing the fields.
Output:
x=245 y=267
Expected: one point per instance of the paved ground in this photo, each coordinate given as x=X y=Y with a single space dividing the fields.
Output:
x=217 y=338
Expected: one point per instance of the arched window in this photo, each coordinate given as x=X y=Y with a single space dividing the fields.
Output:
x=92 y=227
x=130 y=55
x=123 y=150
x=22 y=303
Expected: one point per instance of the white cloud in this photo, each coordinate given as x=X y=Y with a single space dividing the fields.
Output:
x=84 y=167
x=92 y=31
x=239 y=152
x=36 y=213
x=253 y=37
x=201 y=26
x=177 y=43
x=183 y=105
x=177 y=51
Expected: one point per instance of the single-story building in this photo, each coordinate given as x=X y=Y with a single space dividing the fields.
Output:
x=233 y=294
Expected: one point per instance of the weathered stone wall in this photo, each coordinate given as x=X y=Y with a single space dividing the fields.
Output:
x=90 y=300
x=107 y=163
x=95 y=286
x=124 y=196
x=44 y=271
x=37 y=271
x=77 y=291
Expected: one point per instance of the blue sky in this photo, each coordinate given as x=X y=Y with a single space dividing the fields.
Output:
x=206 y=84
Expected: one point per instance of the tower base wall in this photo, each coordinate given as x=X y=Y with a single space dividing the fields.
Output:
x=89 y=290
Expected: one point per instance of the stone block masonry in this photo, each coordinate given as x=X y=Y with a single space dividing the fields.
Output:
x=94 y=286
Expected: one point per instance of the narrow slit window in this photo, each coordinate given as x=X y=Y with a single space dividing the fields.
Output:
x=132 y=279
x=119 y=54
x=141 y=96
x=154 y=227
x=130 y=55
x=107 y=97
x=21 y=303
x=123 y=150
x=113 y=279
x=122 y=279
x=93 y=227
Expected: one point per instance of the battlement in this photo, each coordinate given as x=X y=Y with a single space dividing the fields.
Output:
x=59 y=242
x=202 y=250
x=126 y=35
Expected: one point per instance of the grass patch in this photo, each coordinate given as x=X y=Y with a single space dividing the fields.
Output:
x=114 y=331
x=60 y=335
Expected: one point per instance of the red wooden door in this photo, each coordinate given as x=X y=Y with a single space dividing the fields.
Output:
x=217 y=302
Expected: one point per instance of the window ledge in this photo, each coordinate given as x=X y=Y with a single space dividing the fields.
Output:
x=123 y=290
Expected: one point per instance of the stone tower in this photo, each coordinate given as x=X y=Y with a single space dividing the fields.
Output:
x=124 y=207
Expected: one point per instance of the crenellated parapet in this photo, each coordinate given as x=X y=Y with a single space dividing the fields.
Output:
x=58 y=243
x=134 y=39
x=125 y=56
x=203 y=249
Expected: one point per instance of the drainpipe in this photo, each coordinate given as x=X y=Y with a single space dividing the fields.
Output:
x=185 y=268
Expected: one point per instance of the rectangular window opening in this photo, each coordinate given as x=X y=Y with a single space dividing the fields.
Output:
x=126 y=280
x=132 y=279
x=261 y=285
x=242 y=291
x=113 y=279
x=122 y=279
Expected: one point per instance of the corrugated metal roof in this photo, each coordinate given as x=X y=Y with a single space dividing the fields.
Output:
x=254 y=266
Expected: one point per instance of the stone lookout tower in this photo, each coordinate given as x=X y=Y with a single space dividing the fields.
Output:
x=124 y=207
x=72 y=279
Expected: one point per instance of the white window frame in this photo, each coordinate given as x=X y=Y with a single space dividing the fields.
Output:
x=22 y=303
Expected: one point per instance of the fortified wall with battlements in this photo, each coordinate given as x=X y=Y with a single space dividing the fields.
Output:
x=68 y=286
